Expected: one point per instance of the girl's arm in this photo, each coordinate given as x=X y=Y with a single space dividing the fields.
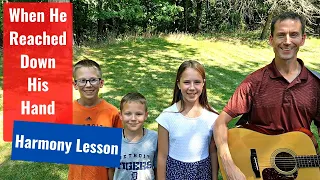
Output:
x=214 y=159
x=163 y=147
x=110 y=173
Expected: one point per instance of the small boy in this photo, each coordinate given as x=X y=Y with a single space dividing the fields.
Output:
x=90 y=110
x=139 y=145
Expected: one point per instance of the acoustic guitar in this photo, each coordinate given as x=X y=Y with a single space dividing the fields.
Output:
x=273 y=157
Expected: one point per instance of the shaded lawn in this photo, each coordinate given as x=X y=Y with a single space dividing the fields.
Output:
x=149 y=66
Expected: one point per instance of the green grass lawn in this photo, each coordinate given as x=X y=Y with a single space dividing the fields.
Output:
x=149 y=66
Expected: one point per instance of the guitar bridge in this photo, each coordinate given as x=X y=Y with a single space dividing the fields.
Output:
x=254 y=163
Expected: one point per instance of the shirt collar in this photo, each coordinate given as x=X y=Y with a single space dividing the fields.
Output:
x=274 y=73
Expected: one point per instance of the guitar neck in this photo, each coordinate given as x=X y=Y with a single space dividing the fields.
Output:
x=308 y=161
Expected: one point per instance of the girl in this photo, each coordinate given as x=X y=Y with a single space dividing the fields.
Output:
x=186 y=149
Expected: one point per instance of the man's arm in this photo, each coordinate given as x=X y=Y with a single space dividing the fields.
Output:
x=221 y=140
x=163 y=147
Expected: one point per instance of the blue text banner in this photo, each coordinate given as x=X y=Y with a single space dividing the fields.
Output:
x=66 y=144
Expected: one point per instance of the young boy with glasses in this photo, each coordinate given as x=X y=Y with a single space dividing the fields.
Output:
x=91 y=110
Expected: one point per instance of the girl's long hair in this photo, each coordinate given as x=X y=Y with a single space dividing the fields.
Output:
x=177 y=95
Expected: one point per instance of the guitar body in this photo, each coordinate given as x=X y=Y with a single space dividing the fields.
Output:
x=274 y=156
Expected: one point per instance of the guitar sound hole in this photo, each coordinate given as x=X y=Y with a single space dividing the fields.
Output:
x=272 y=174
x=285 y=161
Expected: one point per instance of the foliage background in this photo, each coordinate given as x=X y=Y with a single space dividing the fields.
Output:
x=99 y=20
x=141 y=43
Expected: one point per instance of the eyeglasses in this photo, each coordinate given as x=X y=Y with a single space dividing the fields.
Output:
x=83 y=82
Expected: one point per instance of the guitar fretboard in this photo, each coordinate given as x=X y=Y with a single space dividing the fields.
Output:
x=308 y=161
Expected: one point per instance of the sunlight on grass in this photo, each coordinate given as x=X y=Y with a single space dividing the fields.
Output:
x=149 y=65
x=153 y=126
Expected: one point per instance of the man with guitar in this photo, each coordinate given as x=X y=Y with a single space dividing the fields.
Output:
x=281 y=97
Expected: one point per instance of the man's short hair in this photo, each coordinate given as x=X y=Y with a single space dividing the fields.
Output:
x=289 y=15
x=133 y=97
x=86 y=63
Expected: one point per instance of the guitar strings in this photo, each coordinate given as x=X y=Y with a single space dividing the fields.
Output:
x=289 y=162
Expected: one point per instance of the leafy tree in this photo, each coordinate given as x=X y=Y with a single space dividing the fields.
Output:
x=308 y=8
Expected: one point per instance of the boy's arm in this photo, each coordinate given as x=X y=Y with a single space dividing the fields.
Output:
x=163 y=146
x=110 y=173
x=214 y=159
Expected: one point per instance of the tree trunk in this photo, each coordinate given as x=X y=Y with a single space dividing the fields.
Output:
x=207 y=14
x=147 y=5
x=186 y=15
x=317 y=27
x=266 y=26
x=175 y=24
x=199 y=14
x=99 y=22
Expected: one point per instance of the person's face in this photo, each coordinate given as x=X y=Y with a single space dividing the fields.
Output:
x=133 y=115
x=191 y=84
x=287 y=38
x=88 y=89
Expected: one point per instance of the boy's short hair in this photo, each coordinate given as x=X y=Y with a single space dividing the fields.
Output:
x=133 y=97
x=86 y=63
